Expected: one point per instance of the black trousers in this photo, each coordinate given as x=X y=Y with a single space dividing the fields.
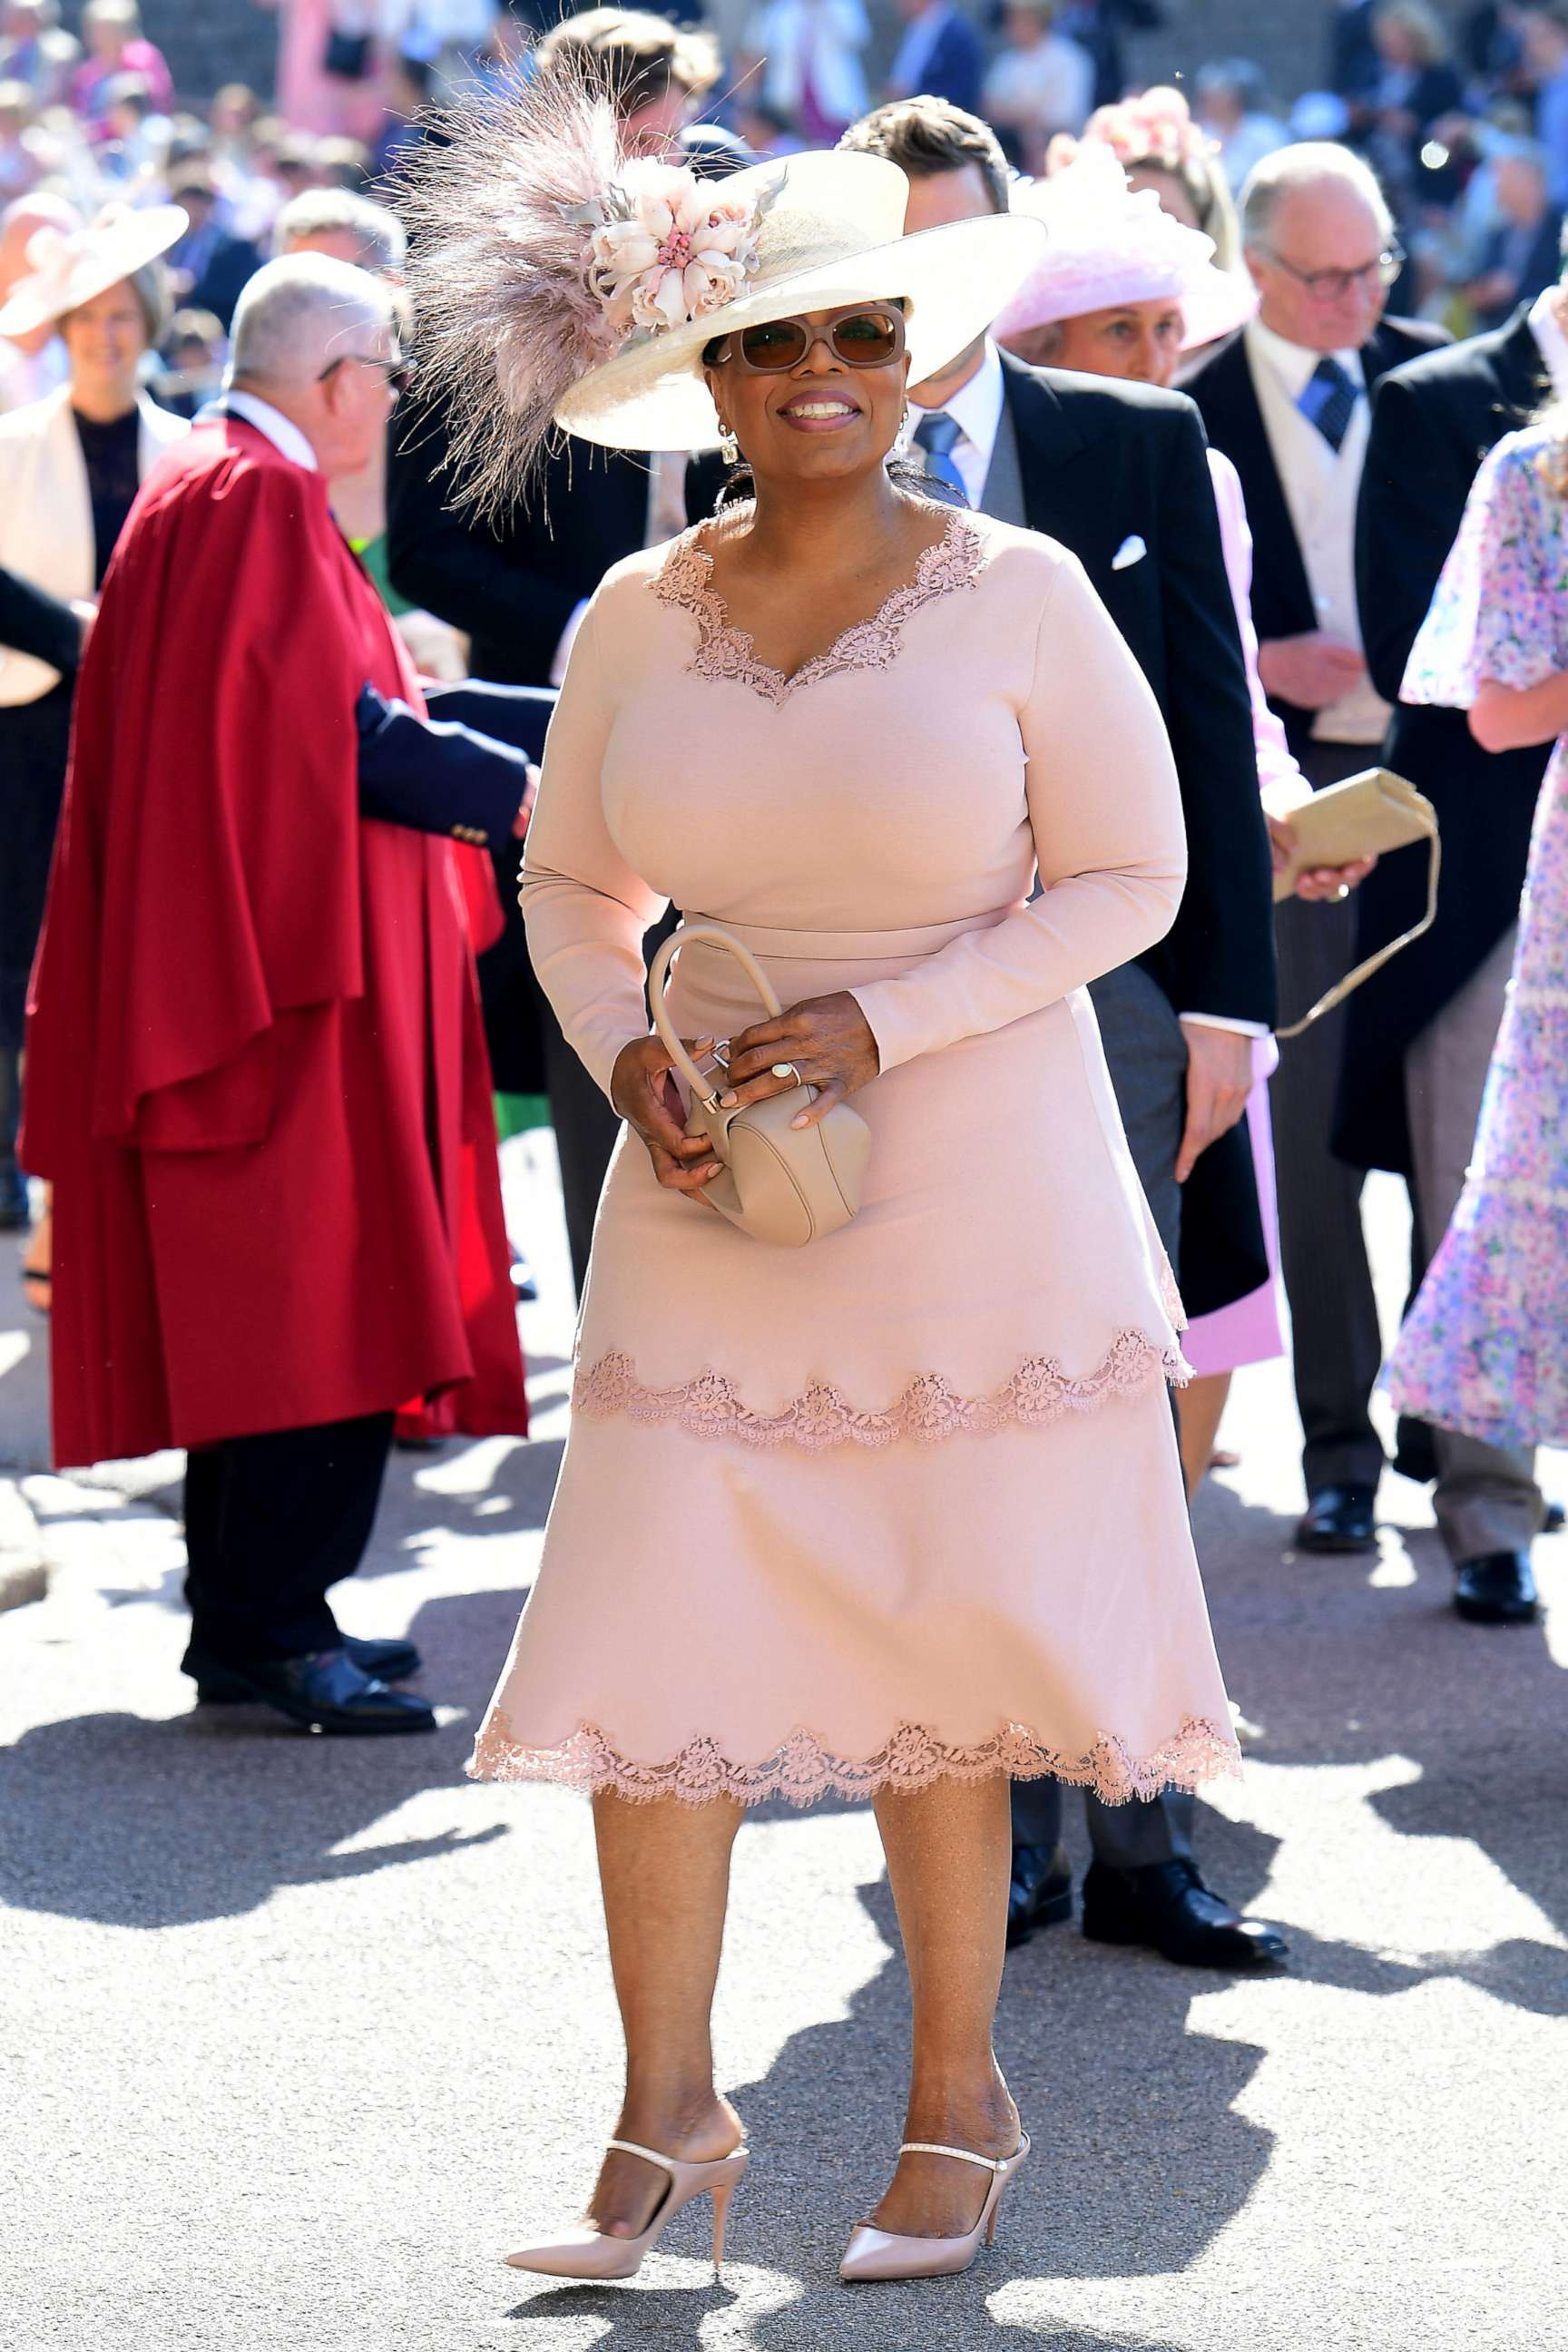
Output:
x=270 y=1523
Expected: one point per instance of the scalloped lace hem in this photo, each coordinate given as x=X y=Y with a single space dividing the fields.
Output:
x=928 y=1411
x=802 y=1771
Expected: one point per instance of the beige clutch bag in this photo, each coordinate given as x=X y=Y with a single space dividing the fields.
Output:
x=1366 y=816
x=780 y=1183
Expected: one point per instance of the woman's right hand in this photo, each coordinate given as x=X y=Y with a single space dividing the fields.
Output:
x=642 y=1091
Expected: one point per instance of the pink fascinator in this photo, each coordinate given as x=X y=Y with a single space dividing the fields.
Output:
x=1106 y=246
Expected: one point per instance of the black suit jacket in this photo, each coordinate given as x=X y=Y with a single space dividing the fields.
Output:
x=1433 y=422
x=34 y=622
x=511 y=585
x=1282 y=603
x=1104 y=464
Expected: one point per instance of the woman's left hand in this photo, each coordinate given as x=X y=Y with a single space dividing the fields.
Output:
x=828 y=1043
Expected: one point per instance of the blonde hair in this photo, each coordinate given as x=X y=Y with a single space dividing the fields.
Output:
x=1413 y=17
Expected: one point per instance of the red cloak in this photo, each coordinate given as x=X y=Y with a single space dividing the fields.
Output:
x=256 y=1068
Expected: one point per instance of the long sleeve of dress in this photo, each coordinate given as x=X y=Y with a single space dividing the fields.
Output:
x=1277 y=770
x=1106 y=814
x=585 y=910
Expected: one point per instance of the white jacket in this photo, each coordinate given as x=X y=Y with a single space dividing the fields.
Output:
x=45 y=513
x=828 y=35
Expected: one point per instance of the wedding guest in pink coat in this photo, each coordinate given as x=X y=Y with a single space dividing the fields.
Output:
x=1124 y=288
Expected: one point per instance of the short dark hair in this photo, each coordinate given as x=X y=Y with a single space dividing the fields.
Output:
x=639 y=55
x=924 y=136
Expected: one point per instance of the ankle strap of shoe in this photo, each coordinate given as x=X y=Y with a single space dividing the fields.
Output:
x=964 y=2155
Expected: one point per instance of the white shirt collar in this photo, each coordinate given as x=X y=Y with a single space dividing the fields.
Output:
x=976 y=409
x=1550 y=339
x=281 y=431
x=1294 y=363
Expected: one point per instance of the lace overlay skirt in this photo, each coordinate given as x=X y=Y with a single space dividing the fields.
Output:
x=903 y=1503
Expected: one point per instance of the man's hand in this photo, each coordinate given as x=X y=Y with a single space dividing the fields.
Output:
x=1310 y=671
x=1220 y=1080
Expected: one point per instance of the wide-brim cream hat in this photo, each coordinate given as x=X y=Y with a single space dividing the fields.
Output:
x=69 y=267
x=831 y=233
x=560 y=283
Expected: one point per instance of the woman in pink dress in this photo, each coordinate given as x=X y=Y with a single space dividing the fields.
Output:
x=1124 y=288
x=899 y=1514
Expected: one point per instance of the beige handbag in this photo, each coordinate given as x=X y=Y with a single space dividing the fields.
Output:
x=1366 y=816
x=780 y=1183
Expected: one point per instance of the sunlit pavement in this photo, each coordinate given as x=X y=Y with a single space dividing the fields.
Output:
x=297 y=2036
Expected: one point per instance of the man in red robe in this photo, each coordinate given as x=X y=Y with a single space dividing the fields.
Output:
x=256 y=1066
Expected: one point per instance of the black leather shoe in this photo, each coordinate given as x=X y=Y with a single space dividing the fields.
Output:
x=1497 y=1591
x=327 y=1692
x=385 y=1662
x=1166 y=1907
x=1041 y=1892
x=1339 y=1518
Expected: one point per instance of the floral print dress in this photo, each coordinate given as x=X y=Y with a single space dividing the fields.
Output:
x=1484 y=1348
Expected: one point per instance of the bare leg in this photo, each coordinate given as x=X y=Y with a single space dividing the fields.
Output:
x=1200 y=1407
x=948 y=1851
x=665 y=1870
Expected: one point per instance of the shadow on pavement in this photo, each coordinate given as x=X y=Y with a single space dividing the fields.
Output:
x=139 y=1823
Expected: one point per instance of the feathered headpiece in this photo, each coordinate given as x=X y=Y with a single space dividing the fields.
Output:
x=540 y=249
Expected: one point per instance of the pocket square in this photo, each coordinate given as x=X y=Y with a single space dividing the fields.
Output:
x=1131 y=551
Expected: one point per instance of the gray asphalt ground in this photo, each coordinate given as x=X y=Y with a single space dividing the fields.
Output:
x=296 y=2036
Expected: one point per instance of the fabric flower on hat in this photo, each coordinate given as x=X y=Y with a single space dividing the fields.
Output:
x=671 y=250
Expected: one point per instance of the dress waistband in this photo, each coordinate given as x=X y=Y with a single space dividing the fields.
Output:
x=846 y=947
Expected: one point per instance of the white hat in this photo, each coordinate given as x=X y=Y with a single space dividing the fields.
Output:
x=1107 y=246
x=829 y=231
x=559 y=282
x=69 y=267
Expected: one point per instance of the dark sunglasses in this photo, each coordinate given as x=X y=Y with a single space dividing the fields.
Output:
x=399 y=373
x=871 y=337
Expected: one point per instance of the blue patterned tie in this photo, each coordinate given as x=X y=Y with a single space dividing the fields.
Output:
x=1328 y=401
x=934 y=437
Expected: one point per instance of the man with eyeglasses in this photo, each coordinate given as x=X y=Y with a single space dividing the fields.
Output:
x=1287 y=401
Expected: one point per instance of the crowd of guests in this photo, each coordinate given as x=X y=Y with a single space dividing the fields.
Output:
x=1307 y=596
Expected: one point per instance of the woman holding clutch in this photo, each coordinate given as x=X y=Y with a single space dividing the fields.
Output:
x=899 y=1514
x=1483 y=1349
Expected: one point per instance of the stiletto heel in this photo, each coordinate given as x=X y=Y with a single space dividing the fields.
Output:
x=585 y=2252
x=722 y=2195
x=874 y=2254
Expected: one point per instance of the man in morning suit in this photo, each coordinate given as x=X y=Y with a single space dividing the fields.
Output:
x=1419 y=1036
x=1285 y=399
x=1118 y=474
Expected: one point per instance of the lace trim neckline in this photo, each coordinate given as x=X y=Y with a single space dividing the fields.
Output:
x=803 y=1771
x=930 y=1411
x=685 y=581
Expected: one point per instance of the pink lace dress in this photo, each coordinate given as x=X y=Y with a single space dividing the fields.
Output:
x=906 y=1502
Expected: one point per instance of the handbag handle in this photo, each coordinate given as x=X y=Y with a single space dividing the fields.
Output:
x=710 y=936
x=1374 y=962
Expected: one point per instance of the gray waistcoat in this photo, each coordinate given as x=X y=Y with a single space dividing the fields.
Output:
x=1003 y=493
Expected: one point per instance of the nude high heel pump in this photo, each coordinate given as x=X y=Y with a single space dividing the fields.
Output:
x=585 y=2252
x=874 y=2254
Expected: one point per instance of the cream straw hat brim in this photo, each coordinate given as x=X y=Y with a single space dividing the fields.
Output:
x=74 y=267
x=832 y=236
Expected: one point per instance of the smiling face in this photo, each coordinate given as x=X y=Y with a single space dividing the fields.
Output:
x=104 y=341
x=823 y=419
